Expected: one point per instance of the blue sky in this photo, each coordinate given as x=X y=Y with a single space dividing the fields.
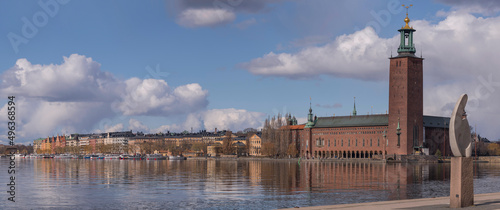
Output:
x=153 y=66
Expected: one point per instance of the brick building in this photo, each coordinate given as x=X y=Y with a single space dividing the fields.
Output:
x=403 y=131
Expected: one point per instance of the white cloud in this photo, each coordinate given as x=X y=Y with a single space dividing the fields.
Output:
x=136 y=125
x=153 y=97
x=356 y=55
x=37 y=118
x=460 y=54
x=222 y=119
x=76 y=95
x=114 y=128
x=232 y=119
x=165 y=128
x=193 y=18
x=301 y=120
x=78 y=78
x=196 y=13
x=193 y=122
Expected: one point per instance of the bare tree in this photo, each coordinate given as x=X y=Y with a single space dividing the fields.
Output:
x=277 y=132
x=268 y=149
x=292 y=150
x=199 y=147
x=227 y=143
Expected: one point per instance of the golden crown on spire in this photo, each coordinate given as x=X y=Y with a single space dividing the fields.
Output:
x=407 y=20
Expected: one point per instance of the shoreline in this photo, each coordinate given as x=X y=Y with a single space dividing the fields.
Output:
x=486 y=159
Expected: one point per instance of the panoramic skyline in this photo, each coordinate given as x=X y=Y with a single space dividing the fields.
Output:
x=157 y=66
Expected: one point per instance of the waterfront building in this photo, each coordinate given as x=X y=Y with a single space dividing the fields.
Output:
x=403 y=131
x=128 y=141
x=214 y=149
x=209 y=137
x=72 y=140
x=255 y=141
x=45 y=146
x=118 y=137
x=134 y=143
x=37 y=145
x=84 y=140
x=93 y=142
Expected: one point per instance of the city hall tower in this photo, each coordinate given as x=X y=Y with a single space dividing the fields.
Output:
x=405 y=130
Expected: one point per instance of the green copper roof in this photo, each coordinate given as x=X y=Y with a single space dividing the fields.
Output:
x=354 y=113
x=352 y=121
x=436 y=122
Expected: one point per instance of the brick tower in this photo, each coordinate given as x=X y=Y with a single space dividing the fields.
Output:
x=405 y=132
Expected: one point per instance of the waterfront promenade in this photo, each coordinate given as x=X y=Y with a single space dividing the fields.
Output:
x=481 y=201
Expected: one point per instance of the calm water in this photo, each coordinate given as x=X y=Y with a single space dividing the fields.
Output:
x=227 y=184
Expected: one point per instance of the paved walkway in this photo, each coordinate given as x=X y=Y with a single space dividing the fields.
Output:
x=481 y=201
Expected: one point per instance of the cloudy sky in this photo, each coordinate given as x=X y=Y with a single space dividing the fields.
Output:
x=157 y=66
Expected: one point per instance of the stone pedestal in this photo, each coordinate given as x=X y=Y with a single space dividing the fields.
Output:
x=461 y=183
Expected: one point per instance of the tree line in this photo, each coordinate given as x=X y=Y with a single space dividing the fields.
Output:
x=277 y=137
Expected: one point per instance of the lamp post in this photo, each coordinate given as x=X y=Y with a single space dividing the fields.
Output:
x=385 y=144
x=398 y=132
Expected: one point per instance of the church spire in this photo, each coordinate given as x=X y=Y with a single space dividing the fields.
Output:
x=354 y=110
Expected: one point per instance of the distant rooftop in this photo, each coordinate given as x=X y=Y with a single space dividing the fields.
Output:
x=352 y=121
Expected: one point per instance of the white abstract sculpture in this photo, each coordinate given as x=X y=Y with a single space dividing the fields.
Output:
x=460 y=141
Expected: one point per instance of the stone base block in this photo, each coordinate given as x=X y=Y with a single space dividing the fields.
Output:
x=461 y=183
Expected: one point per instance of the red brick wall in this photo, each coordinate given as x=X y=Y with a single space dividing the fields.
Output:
x=405 y=103
x=355 y=139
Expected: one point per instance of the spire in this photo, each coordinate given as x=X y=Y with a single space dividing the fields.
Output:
x=406 y=46
x=407 y=20
x=354 y=110
x=310 y=109
x=310 y=115
x=310 y=119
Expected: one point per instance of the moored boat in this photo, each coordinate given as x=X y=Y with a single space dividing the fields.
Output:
x=155 y=157
x=111 y=157
x=65 y=156
x=18 y=156
x=178 y=157
x=34 y=156
x=136 y=157
x=95 y=157
x=124 y=157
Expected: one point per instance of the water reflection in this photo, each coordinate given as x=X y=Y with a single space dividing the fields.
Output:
x=230 y=183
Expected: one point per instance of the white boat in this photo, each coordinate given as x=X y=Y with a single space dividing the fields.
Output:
x=18 y=156
x=124 y=157
x=111 y=157
x=155 y=157
x=178 y=157
x=95 y=157
x=65 y=156
x=33 y=156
